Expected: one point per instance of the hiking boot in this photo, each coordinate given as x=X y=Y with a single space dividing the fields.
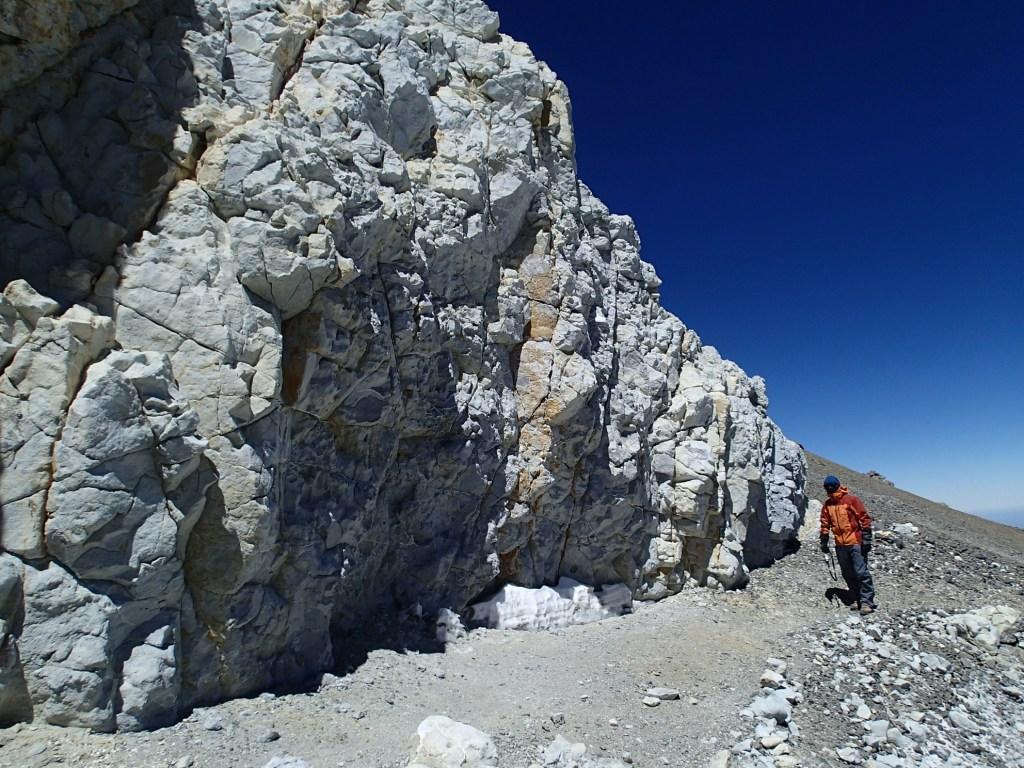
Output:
x=855 y=607
x=866 y=609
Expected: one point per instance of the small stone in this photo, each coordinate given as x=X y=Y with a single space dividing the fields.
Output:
x=212 y=721
x=934 y=661
x=773 y=740
x=963 y=722
x=327 y=680
x=890 y=761
x=720 y=759
x=863 y=712
x=894 y=736
x=558 y=718
x=773 y=707
x=187 y=761
x=665 y=694
x=287 y=761
x=651 y=701
x=742 y=746
x=613 y=722
x=269 y=735
x=849 y=755
x=772 y=679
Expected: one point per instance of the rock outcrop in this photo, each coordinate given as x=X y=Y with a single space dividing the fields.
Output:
x=307 y=318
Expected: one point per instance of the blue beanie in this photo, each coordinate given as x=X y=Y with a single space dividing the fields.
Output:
x=831 y=480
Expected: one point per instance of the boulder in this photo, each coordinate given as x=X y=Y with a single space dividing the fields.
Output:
x=445 y=743
x=984 y=627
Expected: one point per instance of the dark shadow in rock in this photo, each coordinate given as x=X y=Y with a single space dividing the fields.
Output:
x=15 y=703
x=373 y=432
x=397 y=632
x=214 y=557
x=394 y=632
x=783 y=548
x=90 y=148
x=212 y=566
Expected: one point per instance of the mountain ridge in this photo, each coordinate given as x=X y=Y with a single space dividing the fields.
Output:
x=935 y=516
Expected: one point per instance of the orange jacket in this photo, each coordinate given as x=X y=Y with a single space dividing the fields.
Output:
x=846 y=516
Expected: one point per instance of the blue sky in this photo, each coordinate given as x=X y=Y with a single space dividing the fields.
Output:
x=833 y=194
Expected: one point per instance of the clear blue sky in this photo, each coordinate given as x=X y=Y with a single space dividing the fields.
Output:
x=833 y=194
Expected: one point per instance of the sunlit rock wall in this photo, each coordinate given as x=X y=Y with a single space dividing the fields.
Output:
x=308 y=318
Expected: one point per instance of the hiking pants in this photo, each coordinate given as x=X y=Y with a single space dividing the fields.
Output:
x=856 y=574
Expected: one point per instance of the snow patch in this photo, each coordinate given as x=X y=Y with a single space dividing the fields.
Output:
x=569 y=602
x=449 y=626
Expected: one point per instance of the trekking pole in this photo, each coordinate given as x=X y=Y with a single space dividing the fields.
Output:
x=830 y=564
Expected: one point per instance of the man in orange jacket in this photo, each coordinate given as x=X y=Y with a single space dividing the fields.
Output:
x=847 y=518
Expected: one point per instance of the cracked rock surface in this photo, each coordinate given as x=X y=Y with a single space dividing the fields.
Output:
x=308 y=320
x=578 y=695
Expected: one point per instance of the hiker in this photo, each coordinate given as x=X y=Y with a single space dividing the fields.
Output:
x=847 y=518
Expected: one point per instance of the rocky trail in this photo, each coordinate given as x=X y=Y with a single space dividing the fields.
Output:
x=892 y=689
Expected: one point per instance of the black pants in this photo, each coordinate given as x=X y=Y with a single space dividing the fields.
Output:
x=855 y=572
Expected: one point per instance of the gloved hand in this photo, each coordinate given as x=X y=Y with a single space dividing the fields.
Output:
x=824 y=542
x=866 y=538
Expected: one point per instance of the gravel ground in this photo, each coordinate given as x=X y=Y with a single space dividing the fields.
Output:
x=587 y=682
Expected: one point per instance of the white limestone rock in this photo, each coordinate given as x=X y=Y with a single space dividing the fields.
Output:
x=351 y=336
x=36 y=389
x=125 y=440
x=907 y=530
x=63 y=646
x=562 y=753
x=445 y=743
x=126 y=488
x=773 y=706
x=984 y=627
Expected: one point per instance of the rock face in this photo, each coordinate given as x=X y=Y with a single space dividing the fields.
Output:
x=308 y=317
